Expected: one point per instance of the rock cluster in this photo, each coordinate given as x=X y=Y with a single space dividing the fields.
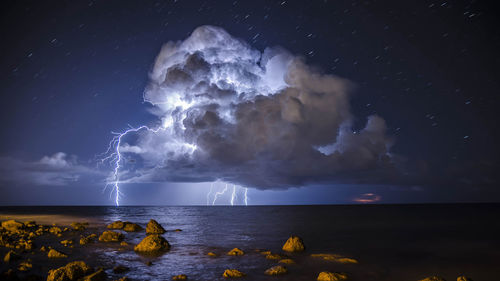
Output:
x=111 y=236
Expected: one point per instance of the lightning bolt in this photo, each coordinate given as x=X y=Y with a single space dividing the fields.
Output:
x=246 y=196
x=210 y=192
x=233 y=195
x=219 y=193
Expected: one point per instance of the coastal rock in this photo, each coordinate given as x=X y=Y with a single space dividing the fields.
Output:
x=30 y=224
x=180 y=277
x=55 y=230
x=12 y=225
x=463 y=278
x=66 y=243
x=123 y=279
x=211 y=254
x=54 y=254
x=432 y=278
x=287 y=261
x=120 y=269
x=25 y=265
x=72 y=271
x=154 y=227
x=273 y=257
x=331 y=276
x=78 y=226
x=123 y=243
x=99 y=275
x=152 y=244
x=276 y=270
x=236 y=252
x=233 y=273
x=335 y=258
x=178 y=230
x=294 y=244
x=132 y=227
x=111 y=236
x=116 y=225
x=11 y=256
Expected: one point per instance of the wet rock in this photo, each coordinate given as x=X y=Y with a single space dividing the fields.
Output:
x=99 y=275
x=335 y=258
x=25 y=265
x=236 y=252
x=154 y=227
x=152 y=244
x=12 y=226
x=273 y=257
x=331 y=276
x=180 y=277
x=233 y=273
x=132 y=227
x=178 y=230
x=111 y=236
x=116 y=225
x=287 y=261
x=463 y=278
x=11 y=256
x=43 y=249
x=120 y=269
x=55 y=230
x=433 y=278
x=78 y=226
x=276 y=270
x=54 y=254
x=30 y=224
x=211 y=254
x=26 y=245
x=72 y=271
x=123 y=243
x=66 y=243
x=265 y=252
x=294 y=244
x=123 y=279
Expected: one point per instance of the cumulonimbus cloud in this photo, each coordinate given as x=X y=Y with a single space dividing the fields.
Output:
x=259 y=119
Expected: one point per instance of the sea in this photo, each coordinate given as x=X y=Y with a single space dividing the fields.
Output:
x=390 y=242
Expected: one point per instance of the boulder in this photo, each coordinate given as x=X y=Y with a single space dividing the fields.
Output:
x=99 y=275
x=331 y=276
x=11 y=256
x=79 y=225
x=294 y=244
x=432 y=278
x=54 y=254
x=152 y=244
x=211 y=254
x=236 y=252
x=232 y=273
x=132 y=227
x=116 y=225
x=111 y=236
x=154 y=227
x=276 y=270
x=12 y=225
x=180 y=277
x=287 y=261
x=72 y=271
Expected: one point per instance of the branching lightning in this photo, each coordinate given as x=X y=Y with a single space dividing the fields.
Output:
x=233 y=195
x=219 y=193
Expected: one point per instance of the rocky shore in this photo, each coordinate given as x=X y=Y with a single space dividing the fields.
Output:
x=32 y=251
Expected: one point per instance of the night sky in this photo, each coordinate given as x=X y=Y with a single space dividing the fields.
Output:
x=73 y=72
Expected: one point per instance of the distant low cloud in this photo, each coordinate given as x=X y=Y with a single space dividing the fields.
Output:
x=265 y=119
x=367 y=198
x=54 y=170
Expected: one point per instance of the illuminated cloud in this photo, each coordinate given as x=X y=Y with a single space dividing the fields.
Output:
x=259 y=119
x=367 y=198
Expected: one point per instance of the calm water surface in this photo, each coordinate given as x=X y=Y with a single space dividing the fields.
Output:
x=391 y=242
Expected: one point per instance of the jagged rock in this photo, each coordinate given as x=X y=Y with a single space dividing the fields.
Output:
x=463 y=278
x=273 y=257
x=54 y=254
x=132 y=227
x=232 y=273
x=294 y=244
x=331 y=276
x=11 y=256
x=154 y=227
x=152 y=244
x=79 y=225
x=12 y=225
x=432 y=278
x=211 y=254
x=120 y=269
x=25 y=265
x=276 y=270
x=236 y=252
x=116 y=225
x=111 y=236
x=99 y=275
x=72 y=271
x=180 y=277
x=287 y=261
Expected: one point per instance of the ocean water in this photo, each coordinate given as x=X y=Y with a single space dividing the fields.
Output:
x=391 y=242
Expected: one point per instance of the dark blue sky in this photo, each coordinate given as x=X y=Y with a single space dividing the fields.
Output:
x=72 y=72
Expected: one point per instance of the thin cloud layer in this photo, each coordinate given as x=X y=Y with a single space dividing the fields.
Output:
x=266 y=120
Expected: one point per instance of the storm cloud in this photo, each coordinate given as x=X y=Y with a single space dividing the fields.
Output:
x=265 y=120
